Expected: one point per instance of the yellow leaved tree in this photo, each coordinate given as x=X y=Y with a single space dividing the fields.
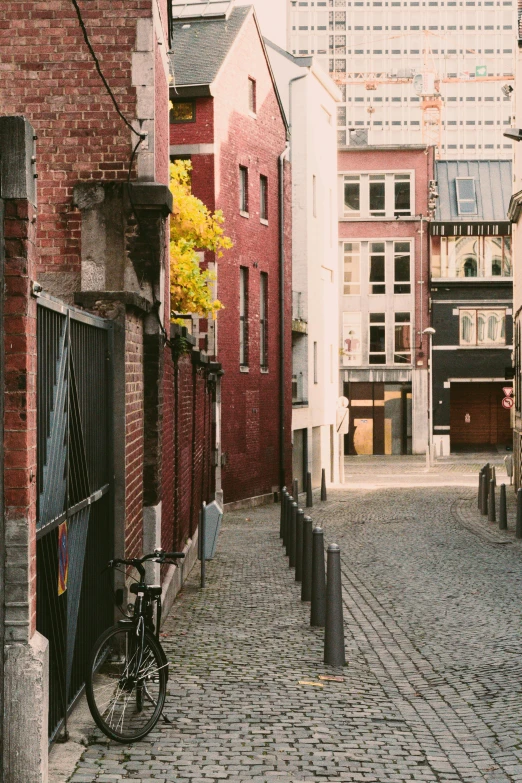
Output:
x=192 y=228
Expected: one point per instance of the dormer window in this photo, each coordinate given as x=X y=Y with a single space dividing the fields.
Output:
x=466 y=196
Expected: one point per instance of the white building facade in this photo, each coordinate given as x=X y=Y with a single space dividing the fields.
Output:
x=310 y=101
x=465 y=48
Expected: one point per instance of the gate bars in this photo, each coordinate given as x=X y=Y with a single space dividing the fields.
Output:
x=75 y=525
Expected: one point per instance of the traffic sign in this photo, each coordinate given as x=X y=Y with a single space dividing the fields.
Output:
x=508 y=391
x=508 y=402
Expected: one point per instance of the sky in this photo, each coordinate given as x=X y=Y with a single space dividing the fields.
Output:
x=272 y=18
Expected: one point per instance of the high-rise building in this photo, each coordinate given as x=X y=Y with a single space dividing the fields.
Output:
x=415 y=71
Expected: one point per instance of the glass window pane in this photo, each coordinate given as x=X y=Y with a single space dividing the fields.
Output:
x=507 y=269
x=467 y=327
x=377 y=198
x=402 y=196
x=377 y=269
x=466 y=188
x=467 y=257
x=377 y=339
x=183 y=111
x=352 y=195
x=352 y=268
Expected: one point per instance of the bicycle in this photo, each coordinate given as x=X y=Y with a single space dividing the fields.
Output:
x=127 y=677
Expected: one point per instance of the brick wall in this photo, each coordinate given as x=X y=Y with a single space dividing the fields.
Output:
x=199 y=132
x=133 y=435
x=49 y=76
x=20 y=418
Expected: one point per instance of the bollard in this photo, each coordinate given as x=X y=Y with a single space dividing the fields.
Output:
x=494 y=475
x=282 y=517
x=323 y=484
x=334 y=654
x=492 y=517
x=481 y=473
x=299 y=545
x=296 y=491
x=318 y=594
x=502 y=512
x=484 y=503
x=309 y=493
x=306 y=580
x=285 y=518
x=291 y=537
x=287 y=523
x=518 y=530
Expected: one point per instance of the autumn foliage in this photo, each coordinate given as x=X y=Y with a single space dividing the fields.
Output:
x=192 y=228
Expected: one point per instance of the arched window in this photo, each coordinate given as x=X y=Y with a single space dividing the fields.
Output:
x=470 y=267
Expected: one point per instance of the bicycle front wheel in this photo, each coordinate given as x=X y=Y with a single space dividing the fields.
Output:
x=126 y=683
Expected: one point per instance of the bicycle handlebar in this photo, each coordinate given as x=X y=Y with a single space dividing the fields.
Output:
x=159 y=556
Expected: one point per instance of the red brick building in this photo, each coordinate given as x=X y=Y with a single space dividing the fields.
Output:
x=125 y=464
x=383 y=248
x=227 y=118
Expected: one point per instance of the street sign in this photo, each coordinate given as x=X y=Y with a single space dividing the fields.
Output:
x=508 y=402
x=508 y=391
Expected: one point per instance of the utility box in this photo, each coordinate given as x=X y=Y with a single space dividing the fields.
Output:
x=213 y=516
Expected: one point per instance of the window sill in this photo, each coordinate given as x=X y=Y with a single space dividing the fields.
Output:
x=495 y=279
x=263 y=221
x=374 y=219
x=265 y=370
x=244 y=368
x=244 y=214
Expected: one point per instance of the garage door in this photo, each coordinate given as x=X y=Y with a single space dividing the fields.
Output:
x=477 y=415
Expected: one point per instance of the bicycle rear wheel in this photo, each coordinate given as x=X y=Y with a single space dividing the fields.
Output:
x=126 y=683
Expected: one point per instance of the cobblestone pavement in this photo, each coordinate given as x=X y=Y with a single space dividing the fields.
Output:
x=433 y=687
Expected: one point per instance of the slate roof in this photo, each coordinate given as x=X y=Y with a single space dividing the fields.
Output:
x=200 y=47
x=493 y=186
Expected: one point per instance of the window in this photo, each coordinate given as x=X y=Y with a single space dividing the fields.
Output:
x=377 y=342
x=252 y=95
x=243 y=316
x=352 y=268
x=263 y=320
x=243 y=190
x=482 y=327
x=352 y=196
x=263 y=198
x=402 y=267
x=466 y=198
x=377 y=268
x=402 y=339
x=402 y=195
x=471 y=257
x=183 y=111
x=378 y=195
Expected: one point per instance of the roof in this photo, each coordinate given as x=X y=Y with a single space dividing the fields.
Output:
x=493 y=186
x=200 y=47
x=196 y=9
x=302 y=62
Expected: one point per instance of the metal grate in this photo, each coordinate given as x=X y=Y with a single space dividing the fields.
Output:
x=75 y=520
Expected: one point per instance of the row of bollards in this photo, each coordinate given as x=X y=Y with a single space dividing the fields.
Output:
x=487 y=500
x=308 y=489
x=304 y=546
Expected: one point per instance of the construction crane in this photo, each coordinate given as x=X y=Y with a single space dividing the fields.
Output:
x=426 y=84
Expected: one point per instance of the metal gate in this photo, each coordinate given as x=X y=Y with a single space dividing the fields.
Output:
x=74 y=482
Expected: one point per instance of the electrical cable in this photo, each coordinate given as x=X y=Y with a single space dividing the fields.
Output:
x=100 y=72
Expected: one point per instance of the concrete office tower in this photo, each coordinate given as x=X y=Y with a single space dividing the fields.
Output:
x=310 y=101
x=382 y=49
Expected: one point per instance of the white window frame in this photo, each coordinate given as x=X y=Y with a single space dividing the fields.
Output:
x=475 y=339
x=397 y=323
x=377 y=353
x=463 y=200
x=356 y=254
x=364 y=179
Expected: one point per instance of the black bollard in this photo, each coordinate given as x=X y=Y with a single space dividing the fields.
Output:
x=484 y=503
x=502 y=512
x=518 y=530
x=492 y=517
x=288 y=516
x=285 y=517
x=291 y=537
x=299 y=545
x=309 y=493
x=318 y=595
x=323 y=484
x=494 y=475
x=306 y=581
x=334 y=654
x=282 y=517
x=296 y=491
x=481 y=472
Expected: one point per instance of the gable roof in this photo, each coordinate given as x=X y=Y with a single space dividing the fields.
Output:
x=200 y=47
x=492 y=187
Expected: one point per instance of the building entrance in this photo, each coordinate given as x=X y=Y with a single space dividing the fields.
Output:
x=380 y=418
x=477 y=417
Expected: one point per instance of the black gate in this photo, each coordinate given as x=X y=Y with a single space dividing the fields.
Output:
x=75 y=519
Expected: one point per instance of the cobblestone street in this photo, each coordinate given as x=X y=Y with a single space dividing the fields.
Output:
x=432 y=689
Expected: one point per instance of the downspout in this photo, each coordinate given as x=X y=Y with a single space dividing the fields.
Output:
x=282 y=453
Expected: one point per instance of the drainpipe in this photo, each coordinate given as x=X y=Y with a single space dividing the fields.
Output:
x=282 y=313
